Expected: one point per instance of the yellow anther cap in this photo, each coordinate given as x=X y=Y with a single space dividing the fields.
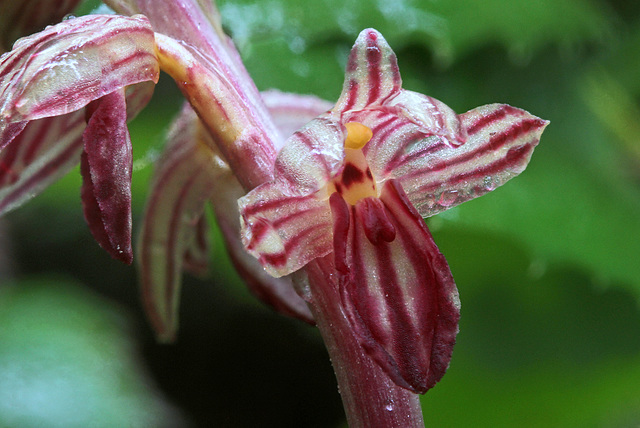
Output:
x=358 y=135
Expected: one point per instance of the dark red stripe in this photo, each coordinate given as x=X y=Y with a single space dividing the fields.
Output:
x=313 y=148
x=495 y=116
x=8 y=175
x=45 y=171
x=515 y=156
x=374 y=59
x=354 y=88
x=280 y=259
x=495 y=143
x=282 y=221
x=270 y=204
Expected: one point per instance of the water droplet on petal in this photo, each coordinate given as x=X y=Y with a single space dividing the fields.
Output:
x=489 y=183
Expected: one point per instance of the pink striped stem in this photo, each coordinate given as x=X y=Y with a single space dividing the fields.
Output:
x=248 y=147
x=197 y=23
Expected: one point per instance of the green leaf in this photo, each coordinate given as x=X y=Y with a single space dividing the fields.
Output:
x=66 y=360
x=537 y=347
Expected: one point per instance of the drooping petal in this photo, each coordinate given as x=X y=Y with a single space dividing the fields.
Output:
x=196 y=253
x=291 y=112
x=183 y=183
x=284 y=231
x=19 y=18
x=106 y=165
x=46 y=149
x=43 y=152
x=500 y=142
x=66 y=66
x=276 y=292
x=396 y=287
x=372 y=75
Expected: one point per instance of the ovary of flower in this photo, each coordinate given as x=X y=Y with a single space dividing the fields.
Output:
x=355 y=181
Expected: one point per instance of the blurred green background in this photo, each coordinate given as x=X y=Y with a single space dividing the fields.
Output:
x=547 y=266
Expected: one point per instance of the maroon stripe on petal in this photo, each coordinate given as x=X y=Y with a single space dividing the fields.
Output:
x=494 y=117
x=499 y=140
x=399 y=294
x=497 y=151
x=372 y=75
x=257 y=207
x=353 y=93
x=45 y=175
x=374 y=57
x=341 y=215
x=8 y=155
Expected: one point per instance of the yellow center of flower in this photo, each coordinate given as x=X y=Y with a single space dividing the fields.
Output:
x=355 y=181
x=358 y=135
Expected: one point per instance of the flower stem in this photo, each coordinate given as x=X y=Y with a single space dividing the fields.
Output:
x=370 y=398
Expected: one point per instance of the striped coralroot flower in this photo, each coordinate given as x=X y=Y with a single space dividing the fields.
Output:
x=66 y=94
x=357 y=181
x=351 y=186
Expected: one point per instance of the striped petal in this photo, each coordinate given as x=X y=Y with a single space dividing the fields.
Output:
x=499 y=145
x=19 y=18
x=284 y=231
x=433 y=116
x=106 y=165
x=372 y=74
x=397 y=289
x=41 y=151
x=276 y=292
x=196 y=254
x=291 y=112
x=66 y=66
x=183 y=183
x=311 y=156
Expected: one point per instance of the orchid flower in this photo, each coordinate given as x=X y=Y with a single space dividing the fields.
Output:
x=326 y=226
x=357 y=181
x=49 y=123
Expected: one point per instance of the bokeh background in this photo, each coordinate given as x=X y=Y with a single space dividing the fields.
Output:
x=547 y=266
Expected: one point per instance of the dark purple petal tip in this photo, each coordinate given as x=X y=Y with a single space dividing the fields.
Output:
x=106 y=171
